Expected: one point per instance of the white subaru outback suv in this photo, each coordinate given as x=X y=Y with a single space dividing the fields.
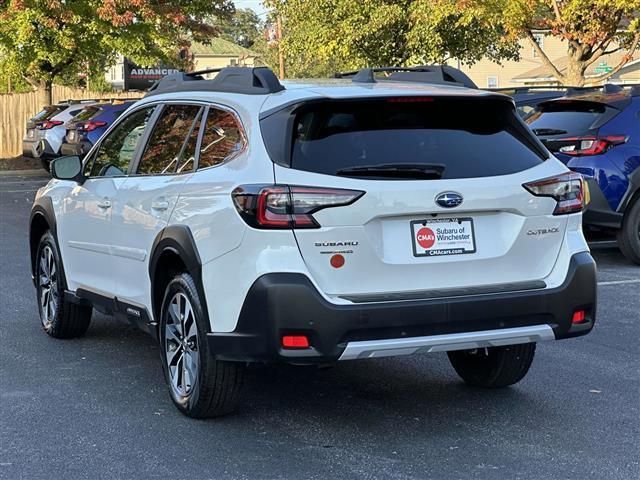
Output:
x=240 y=221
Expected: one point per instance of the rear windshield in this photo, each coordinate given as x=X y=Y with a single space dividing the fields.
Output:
x=563 y=117
x=86 y=114
x=469 y=138
x=47 y=113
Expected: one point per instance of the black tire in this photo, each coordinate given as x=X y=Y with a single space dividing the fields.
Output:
x=215 y=391
x=46 y=164
x=629 y=235
x=493 y=367
x=59 y=317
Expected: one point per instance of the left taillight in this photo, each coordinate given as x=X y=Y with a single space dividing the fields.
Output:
x=49 y=124
x=285 y=206
x=590 y=145
x=569 y=190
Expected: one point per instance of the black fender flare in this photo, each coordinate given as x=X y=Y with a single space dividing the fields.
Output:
x=178 y=239
x=632 y=190
x=43 y=207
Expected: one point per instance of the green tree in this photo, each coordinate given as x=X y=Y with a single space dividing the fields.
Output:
x=242 y=28
x=591 y=28
x=46 y=40
x=323 y=36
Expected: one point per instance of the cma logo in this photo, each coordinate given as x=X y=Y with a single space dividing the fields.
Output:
x=543 y=231
x=336 y=244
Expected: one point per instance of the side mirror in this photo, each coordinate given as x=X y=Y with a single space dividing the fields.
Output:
x=68 y=168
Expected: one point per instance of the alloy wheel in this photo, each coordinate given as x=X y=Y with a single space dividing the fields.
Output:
x=48 y=282
x=181 y=345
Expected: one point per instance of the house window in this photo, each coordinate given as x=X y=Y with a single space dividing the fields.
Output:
x=539 y=38
x=492 y=82
x=233 y=62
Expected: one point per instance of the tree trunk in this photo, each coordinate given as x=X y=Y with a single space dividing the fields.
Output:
x=574 y=76
x=45 y=93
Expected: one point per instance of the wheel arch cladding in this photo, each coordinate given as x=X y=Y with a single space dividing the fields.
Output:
x=174 y=251
x=42 y=218
x=633 y=191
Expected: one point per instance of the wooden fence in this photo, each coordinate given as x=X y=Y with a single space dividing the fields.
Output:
x=17 y=108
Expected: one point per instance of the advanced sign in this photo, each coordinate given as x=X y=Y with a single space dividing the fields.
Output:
x=141 y=78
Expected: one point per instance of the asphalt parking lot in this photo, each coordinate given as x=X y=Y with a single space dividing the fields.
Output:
x=97 y=407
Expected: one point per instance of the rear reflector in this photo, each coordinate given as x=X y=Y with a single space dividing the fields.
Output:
x=295 y=341
x=568 y=189
x=578 y=316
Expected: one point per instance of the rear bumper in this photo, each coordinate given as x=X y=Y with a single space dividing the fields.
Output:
x=31 y=148
x=280 y=304
x=79 y=149
x=599 y=213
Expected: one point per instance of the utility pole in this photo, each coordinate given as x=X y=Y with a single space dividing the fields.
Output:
x=280 y=52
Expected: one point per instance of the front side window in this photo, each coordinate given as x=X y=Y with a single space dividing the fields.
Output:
x=170 y=146
x=116 y=151
x=222 y=139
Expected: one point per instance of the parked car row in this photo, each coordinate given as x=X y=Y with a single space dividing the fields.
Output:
x=597 y=134
x=69 y=128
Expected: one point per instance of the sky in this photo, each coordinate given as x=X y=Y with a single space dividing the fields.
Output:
x=255 y=5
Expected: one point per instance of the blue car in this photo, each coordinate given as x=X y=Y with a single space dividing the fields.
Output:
x=597 y=134
x=87 y=127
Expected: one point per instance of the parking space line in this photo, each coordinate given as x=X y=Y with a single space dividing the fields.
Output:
x=620 y=282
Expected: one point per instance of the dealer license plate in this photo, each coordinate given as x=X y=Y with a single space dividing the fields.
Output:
x=442 y=236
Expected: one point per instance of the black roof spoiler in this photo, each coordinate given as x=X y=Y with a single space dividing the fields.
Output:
x=434 y=74
x=246 y=80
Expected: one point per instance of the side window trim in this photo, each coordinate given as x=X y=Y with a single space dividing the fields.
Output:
x=199 y=116
x=203 y=125
x=137 y=155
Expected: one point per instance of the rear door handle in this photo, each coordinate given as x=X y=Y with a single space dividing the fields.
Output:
x=104 y=204
x=160 y=205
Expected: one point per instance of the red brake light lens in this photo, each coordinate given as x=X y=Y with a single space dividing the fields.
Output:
x=91 y=126
x=49 y=124
x=578 y=317
x=295 y=341
x=568 y=189
x=590 y=145
x=410 y=99
x=284 y=206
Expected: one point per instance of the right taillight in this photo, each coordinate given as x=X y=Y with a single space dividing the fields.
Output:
x=91 y=126
x=569 y=190
x=49 y=124
x=284 y=206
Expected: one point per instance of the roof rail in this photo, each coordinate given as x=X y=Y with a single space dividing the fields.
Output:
x=247 y=80
x=437 y=74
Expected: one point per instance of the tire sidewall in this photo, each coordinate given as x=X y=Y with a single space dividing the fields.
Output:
x=48 y=240
x=181 y=284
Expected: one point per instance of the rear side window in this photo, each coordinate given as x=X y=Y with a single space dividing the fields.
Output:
x=468 y=137
x=168 y=142
x=223 y=138
x=575 y=117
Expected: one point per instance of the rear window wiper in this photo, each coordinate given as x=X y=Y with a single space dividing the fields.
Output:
x=396 y=170
x=548 y=131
